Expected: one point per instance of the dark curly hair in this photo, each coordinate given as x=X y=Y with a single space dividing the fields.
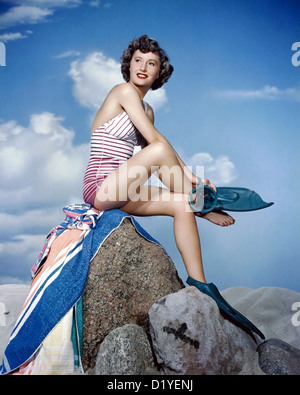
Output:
x=145 y=45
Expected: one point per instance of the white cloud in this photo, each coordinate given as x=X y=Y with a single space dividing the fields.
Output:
x=157 y=99
x=265 y=93
x=94 y=77
x=48 y=3
x=33 y=11
x=220 y=170
x=94 y=3
x=23 y=14
x=67 y=54
x=97 y=3
x=39 y=165
x=4 y=38
x=38 y=11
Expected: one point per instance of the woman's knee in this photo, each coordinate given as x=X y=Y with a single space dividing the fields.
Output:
x=160 y=149
x=181 y=204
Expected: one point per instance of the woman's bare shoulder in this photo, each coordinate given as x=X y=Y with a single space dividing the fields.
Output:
x=111 y=106
x=115 y=97
x=123 y=89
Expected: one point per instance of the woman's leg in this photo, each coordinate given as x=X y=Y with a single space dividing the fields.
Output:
x=164 y=202
x=124 y=184
x=124 y=188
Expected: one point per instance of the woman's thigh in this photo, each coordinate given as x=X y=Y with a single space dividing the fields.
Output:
x=124 y=184
x=120 y=186
x=154 y=200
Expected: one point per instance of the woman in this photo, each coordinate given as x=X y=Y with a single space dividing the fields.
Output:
x=115 y=179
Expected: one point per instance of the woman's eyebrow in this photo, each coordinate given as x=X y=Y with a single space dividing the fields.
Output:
x=139 y=57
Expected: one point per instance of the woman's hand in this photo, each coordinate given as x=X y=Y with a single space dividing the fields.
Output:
x=207 y=183
x=195 y=180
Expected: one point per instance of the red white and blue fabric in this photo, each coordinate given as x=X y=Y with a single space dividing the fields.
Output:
x=54 y=293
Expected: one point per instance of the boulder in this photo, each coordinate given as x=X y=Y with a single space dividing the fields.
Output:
x=125 y=351
x=277 y=357
x=128 y=275
x=190 y=337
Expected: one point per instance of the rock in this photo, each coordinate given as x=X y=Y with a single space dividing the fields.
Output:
x=125 y=351
x=190 y=337
x=126 y=277
x=277 y=357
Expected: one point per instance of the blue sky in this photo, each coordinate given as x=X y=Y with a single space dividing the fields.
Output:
x=232 y=105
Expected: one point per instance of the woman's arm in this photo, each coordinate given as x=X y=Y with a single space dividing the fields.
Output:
x=130 y=100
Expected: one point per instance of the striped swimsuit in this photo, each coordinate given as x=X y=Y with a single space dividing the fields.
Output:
x=111 y=145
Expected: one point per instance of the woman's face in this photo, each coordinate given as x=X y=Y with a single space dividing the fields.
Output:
x=144 y=68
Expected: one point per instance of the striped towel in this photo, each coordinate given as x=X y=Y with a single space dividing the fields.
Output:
x=55 y=356
x=59 y=278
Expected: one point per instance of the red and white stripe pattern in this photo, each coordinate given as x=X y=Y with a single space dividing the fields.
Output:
x=111 y=145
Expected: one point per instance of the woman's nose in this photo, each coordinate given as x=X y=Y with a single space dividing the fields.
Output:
x=143 y=66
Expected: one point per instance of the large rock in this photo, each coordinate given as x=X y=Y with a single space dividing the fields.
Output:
x=125 y=351
x=277 y=357
x=190 y=336
x=126 y=277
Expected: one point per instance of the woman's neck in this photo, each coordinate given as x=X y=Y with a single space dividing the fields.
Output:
x=142 y=91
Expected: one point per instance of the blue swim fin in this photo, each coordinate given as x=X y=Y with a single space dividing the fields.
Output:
x=205 y=199
x=239 y=199
x=212 y=291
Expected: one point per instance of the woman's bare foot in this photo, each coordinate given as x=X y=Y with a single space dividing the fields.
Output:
x=217 y=217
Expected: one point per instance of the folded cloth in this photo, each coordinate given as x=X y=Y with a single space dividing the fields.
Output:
x=78 y=216
x=59 y=278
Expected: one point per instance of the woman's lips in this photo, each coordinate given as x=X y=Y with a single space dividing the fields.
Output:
x=142 y=76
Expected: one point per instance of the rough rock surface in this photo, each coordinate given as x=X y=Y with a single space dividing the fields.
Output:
x=190 y=336
x=277 y=357
x=131 y=275
x=125 y=351
x=126 y=277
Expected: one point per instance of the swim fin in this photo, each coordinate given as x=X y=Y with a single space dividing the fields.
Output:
x=239 y=199
x=205 y=199
x=212 y=291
